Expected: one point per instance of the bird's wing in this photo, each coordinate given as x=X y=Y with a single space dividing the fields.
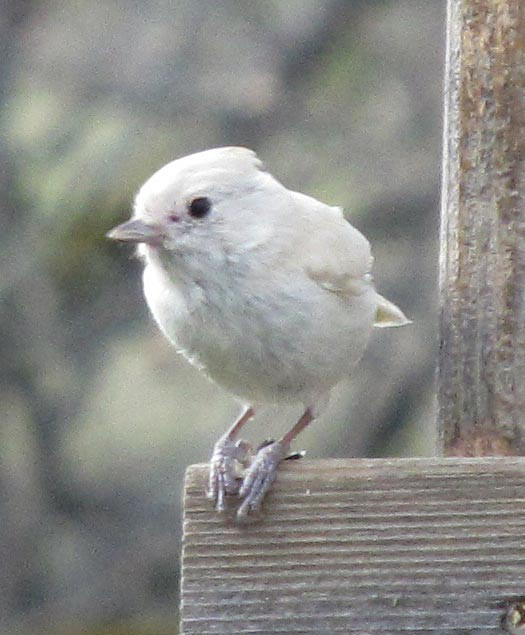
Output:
x=338 y=257
x=333 y=253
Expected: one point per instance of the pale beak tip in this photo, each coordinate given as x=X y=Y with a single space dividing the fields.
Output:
x=136 y=231
x=111 y=234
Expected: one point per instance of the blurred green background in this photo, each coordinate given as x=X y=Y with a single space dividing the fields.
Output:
x=99 y=417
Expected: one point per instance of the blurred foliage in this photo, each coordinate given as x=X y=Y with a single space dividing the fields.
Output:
x=341 y=99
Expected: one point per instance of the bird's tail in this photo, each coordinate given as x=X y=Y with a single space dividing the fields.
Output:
x=388 y=314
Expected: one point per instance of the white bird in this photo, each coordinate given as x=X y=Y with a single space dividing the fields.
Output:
x=268 y=291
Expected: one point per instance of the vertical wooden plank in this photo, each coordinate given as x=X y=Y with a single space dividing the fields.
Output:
x=482 y=270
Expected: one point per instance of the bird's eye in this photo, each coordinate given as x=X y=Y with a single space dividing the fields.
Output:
x=199 y=207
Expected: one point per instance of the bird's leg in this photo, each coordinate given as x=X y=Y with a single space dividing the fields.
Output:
x=263 y=469
x=229 y=455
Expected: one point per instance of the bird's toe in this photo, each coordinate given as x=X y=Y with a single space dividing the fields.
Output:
x=259 y=477
x=227 y=463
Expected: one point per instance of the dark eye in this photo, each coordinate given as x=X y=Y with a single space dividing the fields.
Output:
x=199 y=207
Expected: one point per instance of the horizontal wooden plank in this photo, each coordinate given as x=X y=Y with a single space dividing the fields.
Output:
x=412 y=546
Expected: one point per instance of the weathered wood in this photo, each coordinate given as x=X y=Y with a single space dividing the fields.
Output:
x=412 y=546
x=482 y=272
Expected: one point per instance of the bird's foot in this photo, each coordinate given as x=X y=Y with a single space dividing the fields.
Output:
x=227 y=464
x=259 y=477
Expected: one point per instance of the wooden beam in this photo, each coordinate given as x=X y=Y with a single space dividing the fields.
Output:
x=481 y=389
x=412 y=546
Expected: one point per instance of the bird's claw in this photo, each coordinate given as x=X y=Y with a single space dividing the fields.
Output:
x=227 y=463
x=293 y=456
x=259 y=477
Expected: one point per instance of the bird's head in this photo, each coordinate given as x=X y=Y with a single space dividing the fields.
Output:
x=217 y=200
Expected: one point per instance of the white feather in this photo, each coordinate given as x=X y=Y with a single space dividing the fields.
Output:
x=271 y=294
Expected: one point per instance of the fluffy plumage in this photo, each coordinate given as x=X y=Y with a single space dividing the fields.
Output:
x=270 y=293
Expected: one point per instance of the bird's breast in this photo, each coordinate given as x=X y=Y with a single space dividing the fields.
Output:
x=264 y=342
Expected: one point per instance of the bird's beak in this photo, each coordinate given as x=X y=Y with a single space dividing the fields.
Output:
x=137 y=231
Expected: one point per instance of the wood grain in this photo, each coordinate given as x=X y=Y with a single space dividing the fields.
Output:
x=361 y=547
x=481 y=389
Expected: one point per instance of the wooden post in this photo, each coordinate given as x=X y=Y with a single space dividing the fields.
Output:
x=411 y=546
x=481 y=390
